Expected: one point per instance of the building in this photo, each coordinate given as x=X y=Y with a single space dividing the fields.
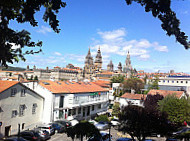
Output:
x=20 y=107
x=127 y=68
x=134 y=99
x=71 y=100
x=89 y=65
x=119 y=67
x=98 y=61
x=178 y=94
x=110 y=66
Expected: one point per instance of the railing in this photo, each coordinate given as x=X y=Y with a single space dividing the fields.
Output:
x=89 y=100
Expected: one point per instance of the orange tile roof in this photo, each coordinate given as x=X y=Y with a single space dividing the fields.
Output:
x=71 y=87
x=102 y=83
x=6 y=84
x=133 y=96
x=166 y=92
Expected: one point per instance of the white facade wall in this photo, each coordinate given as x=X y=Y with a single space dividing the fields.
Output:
x=124 y=102
x=48 y=100
x=85 y=101
x=9 y=103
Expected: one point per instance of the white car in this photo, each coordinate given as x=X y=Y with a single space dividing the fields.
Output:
x=115 y=122
x=74 y=122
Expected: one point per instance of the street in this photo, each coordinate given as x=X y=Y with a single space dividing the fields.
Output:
x=115 y=135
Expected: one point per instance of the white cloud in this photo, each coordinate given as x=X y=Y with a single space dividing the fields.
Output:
x=57 y=53
x=112 y=35
x=44 y=30
x=114 y=42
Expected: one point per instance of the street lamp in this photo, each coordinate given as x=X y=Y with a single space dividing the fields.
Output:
x=109 y=124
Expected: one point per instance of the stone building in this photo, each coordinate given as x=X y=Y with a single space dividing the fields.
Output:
x=89 y=64
x=98 y=61
x=128 y=67
x=119 y=67
x=110 y=66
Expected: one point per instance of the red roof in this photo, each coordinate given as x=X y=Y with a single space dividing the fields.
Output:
x=133 y=96
x=166 y=92
x=6 y=84
x=71 y=87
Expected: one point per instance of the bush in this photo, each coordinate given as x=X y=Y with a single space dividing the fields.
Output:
x=102 y=118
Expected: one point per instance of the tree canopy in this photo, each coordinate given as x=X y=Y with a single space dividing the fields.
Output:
x=117 y=79
x=22 y=11
x=161 y=9
x=178 y=110
x=133 y=83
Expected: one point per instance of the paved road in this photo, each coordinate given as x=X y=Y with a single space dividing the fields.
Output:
x=115 y=136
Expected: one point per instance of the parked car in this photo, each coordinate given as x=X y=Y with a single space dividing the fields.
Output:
x=15 y=138
x=44 y=135
x=104 y=137
x=181 y=131
x=31 y=135
x=93 y=121
x=124 y=139
x=65 y=123
x=102 y=125
x=74 y=122
x=47 y=127
x=58 y=127
x=115 y=122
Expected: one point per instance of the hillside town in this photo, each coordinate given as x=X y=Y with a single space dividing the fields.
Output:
x=34 y=97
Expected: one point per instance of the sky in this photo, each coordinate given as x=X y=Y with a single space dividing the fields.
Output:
x=116 y=28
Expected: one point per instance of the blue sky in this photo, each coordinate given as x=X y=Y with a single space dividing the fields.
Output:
x=115 y=28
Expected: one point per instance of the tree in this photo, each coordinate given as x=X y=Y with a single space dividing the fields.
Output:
x=102 y=118
x=133 y=83
x=178 y=110
x=83 y=129
x=117 y=79
x=140 y=122
x=161 y=9
x=36 y=77
x=22 y=11
x=153 y=84
x=116 y=109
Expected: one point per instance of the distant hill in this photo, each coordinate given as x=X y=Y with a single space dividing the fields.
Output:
x=13 y=69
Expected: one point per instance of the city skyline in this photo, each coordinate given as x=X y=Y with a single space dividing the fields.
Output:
x=115 y=28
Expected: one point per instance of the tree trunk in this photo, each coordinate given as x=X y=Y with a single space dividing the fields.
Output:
x=81 y=138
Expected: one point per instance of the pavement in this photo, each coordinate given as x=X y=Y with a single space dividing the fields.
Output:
x=115 y=135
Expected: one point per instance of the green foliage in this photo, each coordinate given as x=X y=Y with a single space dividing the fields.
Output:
x=22 y=11
x=133 y=83
x=36 y=77
x=140 y=123
x=116 y=109
x=117 y=79
x=153 y=84
x=178 y=110
x=102 y=118
x=82 y=129
x=161 y=9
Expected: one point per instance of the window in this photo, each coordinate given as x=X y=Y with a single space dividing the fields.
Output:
x=14 y=113
x=181 y=81
x=186 y=82
x=79 y=110
x=69 y=114
x=23 y=92
x=99 y=106
x=74 y=112
x=163 y=81
x=23 y=126
x=172 y=81
x=61 y=102
x=13 y=91
x=21 y=110
x=177 y=81
x=34 y=108
x=92 y=107
x=168 y=81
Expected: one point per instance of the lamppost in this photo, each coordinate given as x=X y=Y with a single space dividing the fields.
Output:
x=109 y=124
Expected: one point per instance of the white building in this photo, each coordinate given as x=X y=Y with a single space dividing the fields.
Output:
x=174 y=83
x=19 y=107
x=134 y=99
x=71 y=100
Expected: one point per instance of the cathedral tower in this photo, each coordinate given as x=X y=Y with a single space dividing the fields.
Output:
x=98 y=61
x=110 y=66
x=89 y=64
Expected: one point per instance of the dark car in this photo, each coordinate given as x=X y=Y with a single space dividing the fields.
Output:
x=58 y=127
x=31 y=135
x=124 y=139
x=15 y=138
x=65 y=123
x=102 y=125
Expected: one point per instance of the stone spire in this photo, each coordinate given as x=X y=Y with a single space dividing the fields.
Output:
x=98 y=61
x=110 y=66
x=119 y=66
x=89 y=59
